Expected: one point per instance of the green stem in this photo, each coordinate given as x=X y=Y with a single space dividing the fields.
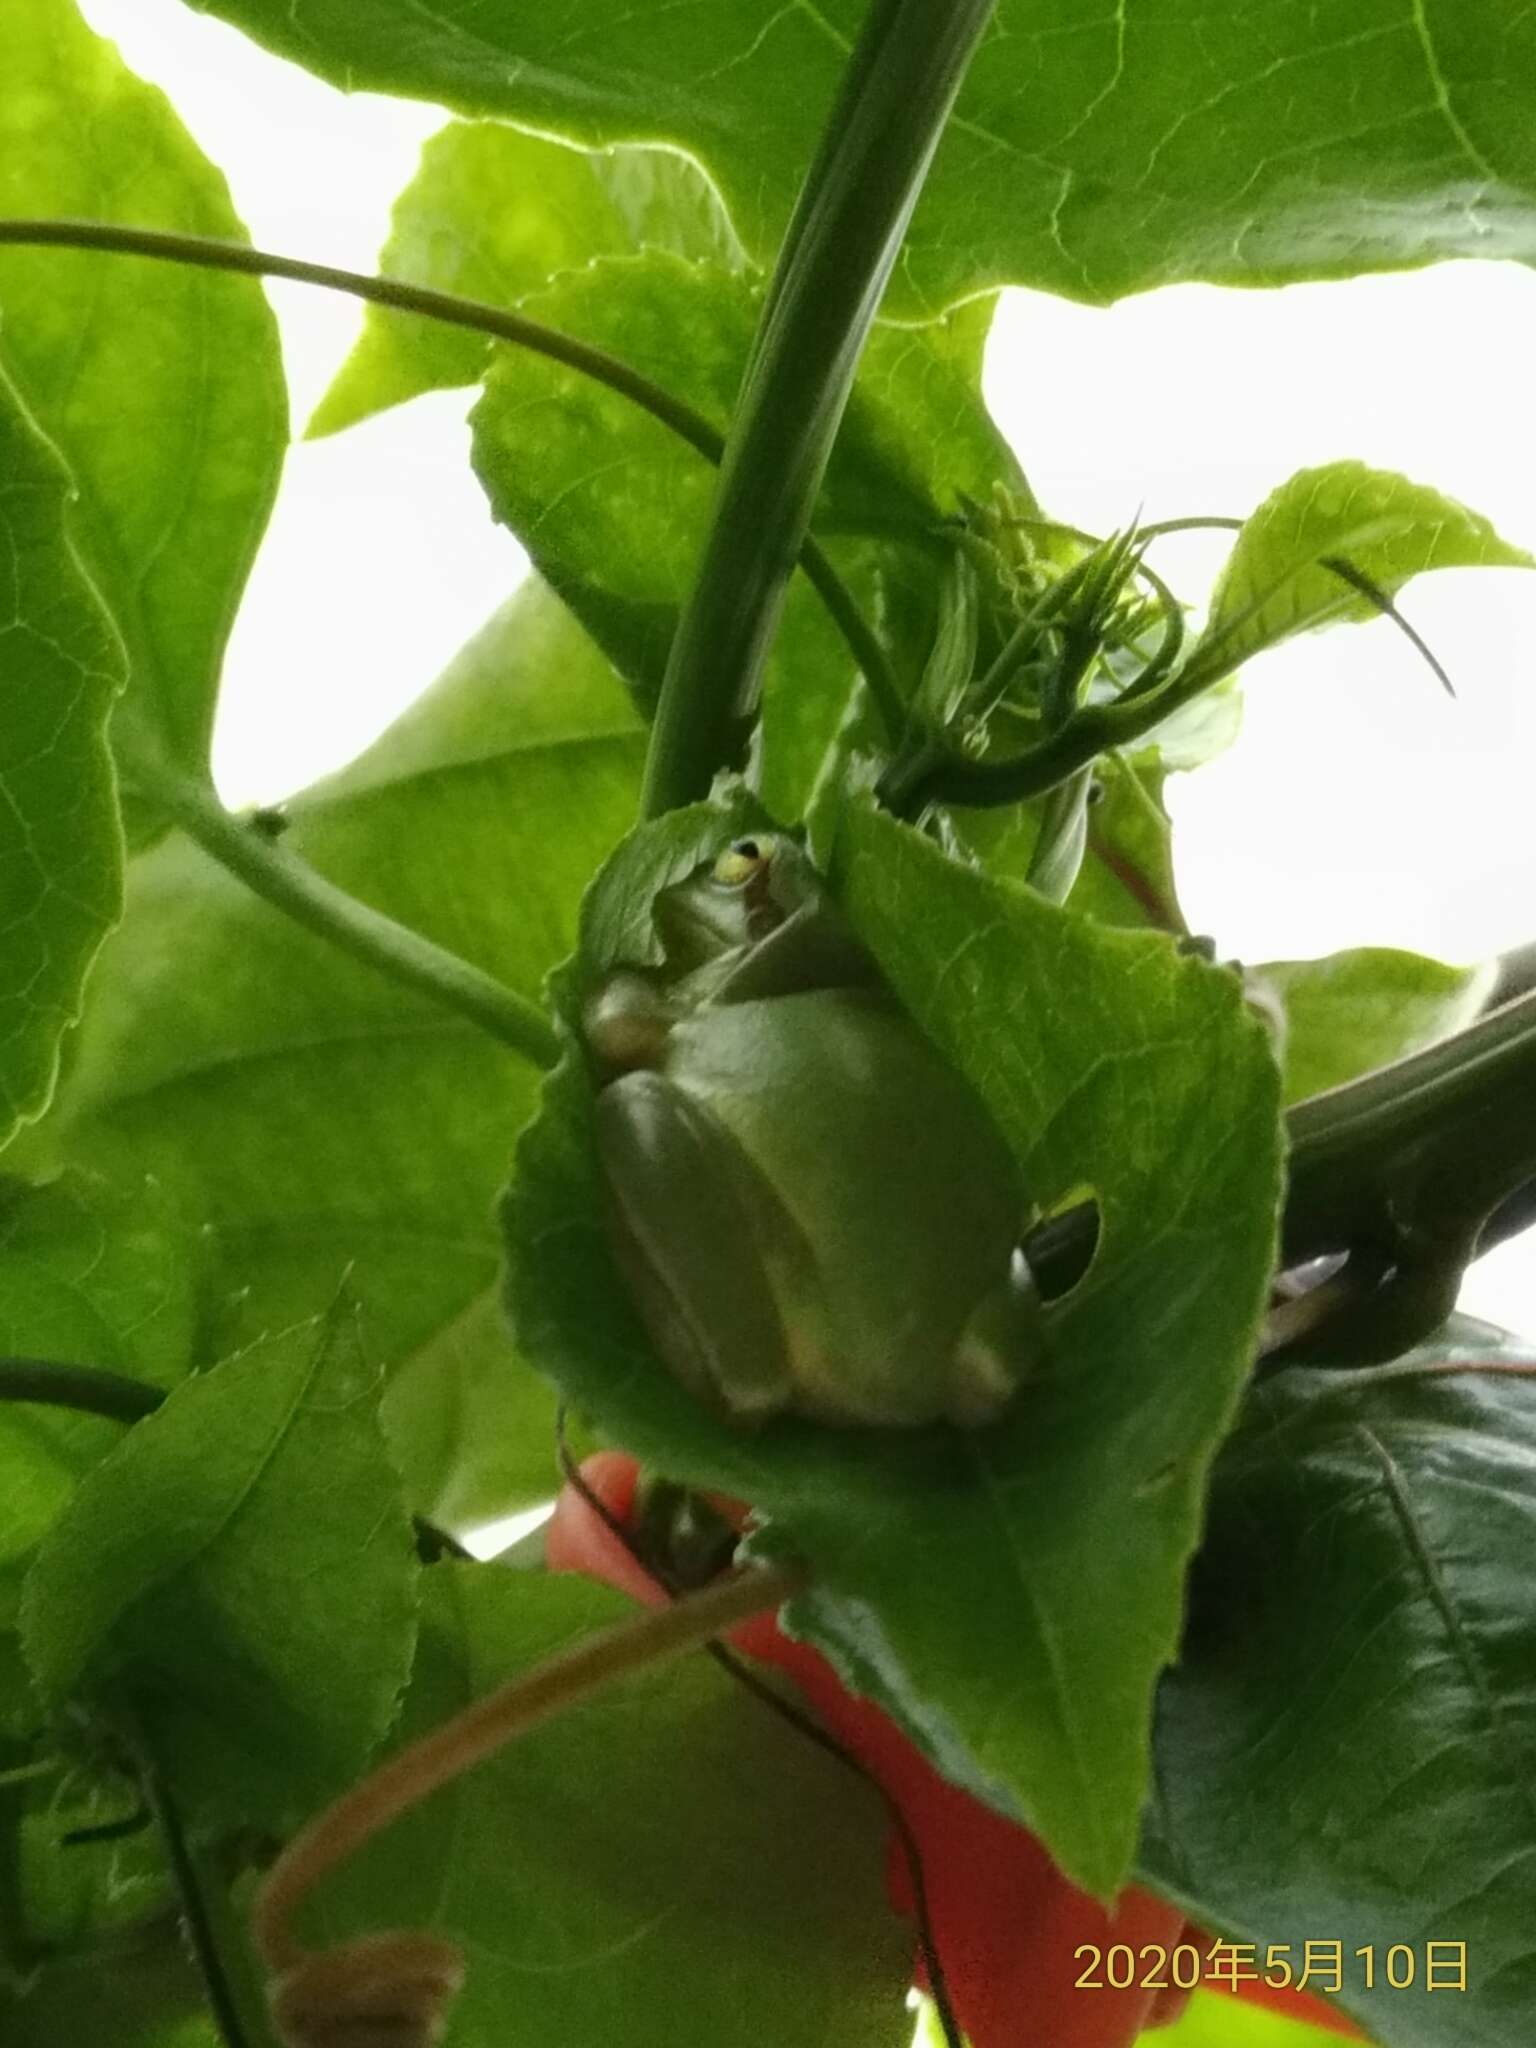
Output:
x=216 y=1942
x=479 y=318
x=847 y=228
x=267 y=867
x=89 y=1389
x=944 y=778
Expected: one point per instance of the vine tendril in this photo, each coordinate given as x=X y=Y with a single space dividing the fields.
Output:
x=394 y=1988
x=498 y=323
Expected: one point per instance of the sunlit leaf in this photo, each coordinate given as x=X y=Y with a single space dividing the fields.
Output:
x=1277 y=580
x=613 y=506
x=494 y=214
x=160 y=385
x=1091 y=155
x=1349 y=1012
x=61 y=854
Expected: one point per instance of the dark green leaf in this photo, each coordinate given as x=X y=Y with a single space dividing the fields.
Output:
x=61 y=856
x=20 y=1712
x=145 y=2000
x=239 y=1574
x=1347 y=1747
x=1089 y=155
x=665 y=1863
x=1012 y=1592
x=1353 y=1011
x=90 y=1274
x=493 y=214
x=1275 y=582
x=314 y=1120
x=161 y=386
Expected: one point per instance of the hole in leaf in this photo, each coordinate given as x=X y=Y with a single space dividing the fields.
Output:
x=1064 y=1243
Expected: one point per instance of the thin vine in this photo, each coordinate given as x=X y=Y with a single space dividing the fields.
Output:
x=498 y=323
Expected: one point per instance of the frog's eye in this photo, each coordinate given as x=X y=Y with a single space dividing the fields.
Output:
x=743 y=861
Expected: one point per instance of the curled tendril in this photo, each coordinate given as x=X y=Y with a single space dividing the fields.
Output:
x=380 y=1991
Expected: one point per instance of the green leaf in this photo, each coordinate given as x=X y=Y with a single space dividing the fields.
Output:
x=1357 y=1010
x=602 y=495
x=315 y=1121
x=1212 y=2021
x=90 y=1274
x=91 y=1944
x=469 y=1425
x=666 y=1862
x=630 y=249
x=61 y=855
x=89 y=1929
x=239 y=1574
x=493 y=214
x=1127 y=873
x=1275 y=582
x=161 y=385
x=915 y=436
x=152 y=2000
x=73 y=1894
x=1013 y=1592
x=20 y=1712
x=1087 y=156
x=1347 y=1746
x=613 y=507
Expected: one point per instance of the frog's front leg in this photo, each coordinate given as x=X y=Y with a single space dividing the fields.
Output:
x=684 y=1235
x=1003 y=1343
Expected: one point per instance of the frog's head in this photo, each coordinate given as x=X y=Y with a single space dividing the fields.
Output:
x=733 y=901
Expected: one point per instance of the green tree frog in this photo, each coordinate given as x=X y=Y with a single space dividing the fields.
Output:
x=814 y=1212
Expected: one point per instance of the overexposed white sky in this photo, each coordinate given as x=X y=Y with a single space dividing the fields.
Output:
x=1358 y=807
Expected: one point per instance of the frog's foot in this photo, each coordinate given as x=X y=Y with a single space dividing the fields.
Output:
x=1002 y=1345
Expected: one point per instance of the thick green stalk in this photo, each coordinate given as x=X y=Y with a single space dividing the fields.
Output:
x=267 y=867
x=496 y=322
x=1433 y=1142
x=931 y=775
x=837 y=255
